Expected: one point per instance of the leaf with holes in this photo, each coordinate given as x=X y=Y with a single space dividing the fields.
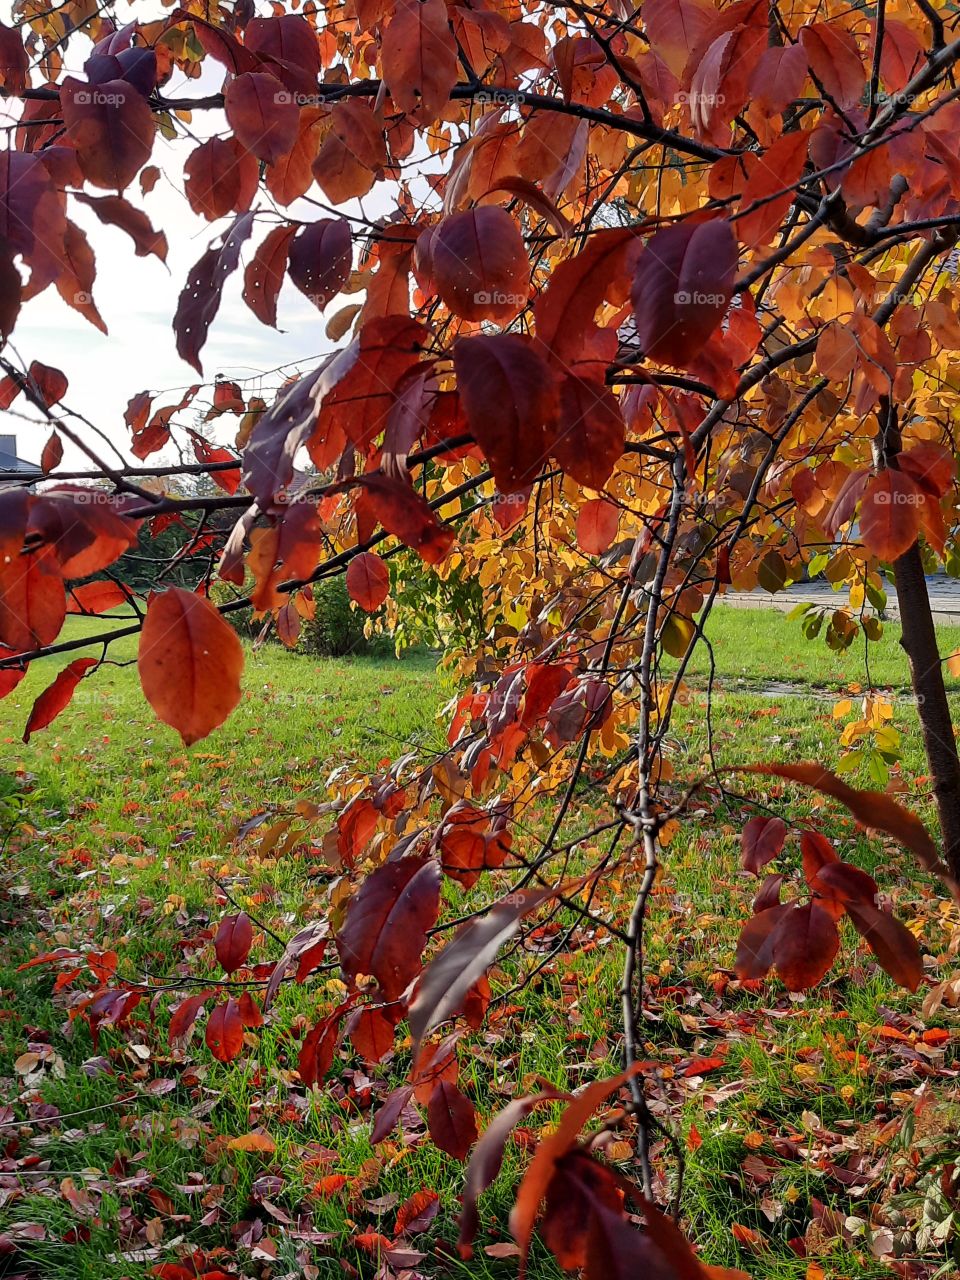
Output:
x=199 y=301
x=476 y=261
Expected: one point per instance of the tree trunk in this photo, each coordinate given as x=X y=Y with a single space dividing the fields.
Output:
x=919 y=640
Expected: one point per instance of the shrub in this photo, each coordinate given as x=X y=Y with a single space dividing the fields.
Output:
x=337 y=628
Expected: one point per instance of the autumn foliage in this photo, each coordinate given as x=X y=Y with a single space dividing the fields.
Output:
x=624 y=307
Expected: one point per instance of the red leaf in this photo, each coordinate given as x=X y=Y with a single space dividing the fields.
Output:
x=597 y=524
x=227 y=478
x=754 y=956
x=779 y=167
x=319 y=1047
x=872 y=809
x=477 y=262
x=565 y=310
x=389 y=1113
x=10 y=677
x=32 y=598
x=233 y=941
x=682 y=288
x=761 y=841
x=890 y=941
x=835 y=61
x=288 y=424
x=804 y=945
x=416 y=1214
x=419 y=57
x=385 y=929
x=368 y=581
x=85 y=529
x=224 y=1033
x=185 y=1015
x=817 y=852
x=932 y=466
x=14 y=62
x=386 y=351
x=509 y=396
x=901 y=53
x=114 y=211
x=289 y=43
x=355 y=828
x=353 y=152
x=551 y=1150
x=890 y=513
x=320 y=260
x=250 y=1014
x=408 y=516
x=52 y=454
x=372 y=1034
x=111 y=127
x=50 y=383
x=720 y=83
x=846 y=883
x=220 y=177
x=262 y=114
x=487 y=1160
x=11 y=289
x=57 y=695
x=588 y=439
x=190 y=663
x=452 y=1120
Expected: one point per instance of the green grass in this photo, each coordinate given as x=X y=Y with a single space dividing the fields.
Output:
x=763 y=646
x=128 y=836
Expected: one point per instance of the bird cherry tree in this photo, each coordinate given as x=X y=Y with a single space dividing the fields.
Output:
x=625 y=305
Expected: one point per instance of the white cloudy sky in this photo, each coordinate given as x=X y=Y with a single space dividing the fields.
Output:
x=137 y=298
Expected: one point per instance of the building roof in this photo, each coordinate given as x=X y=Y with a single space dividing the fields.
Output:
x=9 y=460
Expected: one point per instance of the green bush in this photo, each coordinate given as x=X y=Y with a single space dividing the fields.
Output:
x=242 y=620
x=337 y=628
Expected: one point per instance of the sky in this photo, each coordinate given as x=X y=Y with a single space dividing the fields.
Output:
x=137 y=298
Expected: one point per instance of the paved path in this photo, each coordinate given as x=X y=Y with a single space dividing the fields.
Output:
x=944 y=598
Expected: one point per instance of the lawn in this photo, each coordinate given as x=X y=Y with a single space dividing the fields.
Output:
x=116 y=1156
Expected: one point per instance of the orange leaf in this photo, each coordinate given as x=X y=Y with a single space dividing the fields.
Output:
x=190 y=662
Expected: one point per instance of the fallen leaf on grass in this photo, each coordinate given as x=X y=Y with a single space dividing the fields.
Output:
x=260 y=1142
